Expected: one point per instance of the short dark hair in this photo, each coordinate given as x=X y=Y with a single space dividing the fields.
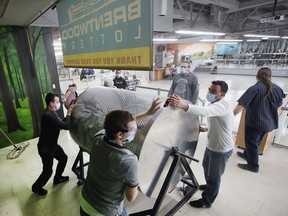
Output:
x=222 y=84
x=50 y=98
x=116 y=121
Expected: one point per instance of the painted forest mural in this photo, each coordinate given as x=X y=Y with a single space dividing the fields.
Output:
x=27 y=71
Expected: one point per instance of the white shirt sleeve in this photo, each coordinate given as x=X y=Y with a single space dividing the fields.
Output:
x=216 y=109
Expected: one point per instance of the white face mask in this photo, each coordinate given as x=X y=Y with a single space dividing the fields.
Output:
x=57 y=107
x=117 y=75
x=131 y=136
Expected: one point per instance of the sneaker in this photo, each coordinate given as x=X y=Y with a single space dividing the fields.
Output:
x=40 y=192
x=248 y=168
x=198 y=204
x=61 y=179
x=242 y=155
x=202 y=187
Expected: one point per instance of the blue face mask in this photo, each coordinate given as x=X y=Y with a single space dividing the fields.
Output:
x=131 y=136
x=211 y=97
x=183 y=70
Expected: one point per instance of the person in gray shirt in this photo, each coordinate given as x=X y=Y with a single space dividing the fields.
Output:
x=185 y=84
x=113 y=169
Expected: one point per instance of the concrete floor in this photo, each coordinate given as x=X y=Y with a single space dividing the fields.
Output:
x=241 y=192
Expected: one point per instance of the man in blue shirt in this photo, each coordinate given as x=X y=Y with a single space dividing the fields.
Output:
x=261 y=102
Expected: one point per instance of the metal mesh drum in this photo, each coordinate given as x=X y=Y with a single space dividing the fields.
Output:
x=154 y=139
x=93 y=105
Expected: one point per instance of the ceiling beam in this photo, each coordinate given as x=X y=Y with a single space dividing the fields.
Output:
x=261 y=28
x=232 y=5
x=252 y=4
x=196 y=18
x=243 y=22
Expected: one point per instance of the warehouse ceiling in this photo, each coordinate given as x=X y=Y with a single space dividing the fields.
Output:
x=234 y=17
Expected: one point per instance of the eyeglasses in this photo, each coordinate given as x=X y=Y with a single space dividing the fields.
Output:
x=183 y=66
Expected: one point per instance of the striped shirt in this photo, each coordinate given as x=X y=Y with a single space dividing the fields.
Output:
x=261 y=109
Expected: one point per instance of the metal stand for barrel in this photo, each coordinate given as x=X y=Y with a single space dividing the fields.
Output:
x=178 y=158
x=79 y=170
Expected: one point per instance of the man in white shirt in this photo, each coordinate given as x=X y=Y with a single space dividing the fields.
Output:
x=220 y=141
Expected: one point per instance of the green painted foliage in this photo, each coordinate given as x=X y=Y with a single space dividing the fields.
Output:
x=23 y=113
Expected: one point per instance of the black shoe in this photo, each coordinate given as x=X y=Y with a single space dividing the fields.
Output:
x=40 y=192
x=248 y=167
x=202 y=187
x=242 y=155
x=198 y=204
x=61 y=179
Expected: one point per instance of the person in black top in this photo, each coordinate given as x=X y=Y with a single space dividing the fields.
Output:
x=261 y=102
x=48 y=148
x=119 y=81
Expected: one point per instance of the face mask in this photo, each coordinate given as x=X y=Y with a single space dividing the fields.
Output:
x=131 y=136
x=211 y=97
x=183 y=70
x=118 y=75
x=57 y=107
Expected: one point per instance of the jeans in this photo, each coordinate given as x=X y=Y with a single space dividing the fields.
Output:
x=253 y=138
x=214 y=164
x=188 y=148
x=47 y=161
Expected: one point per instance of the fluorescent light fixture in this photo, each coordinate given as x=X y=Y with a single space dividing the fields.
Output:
x=164 y=39
x=253 y=40
x=265 y=38
x=199 y=32
x=227 y=42
x=220 y=40
x=261 y=36
x=285 y=37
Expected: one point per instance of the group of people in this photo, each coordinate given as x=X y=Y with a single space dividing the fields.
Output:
x=113 y=169
x=261 y=101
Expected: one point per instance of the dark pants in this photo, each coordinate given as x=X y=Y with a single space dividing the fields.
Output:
x=83 y=213
x=253 y=138
x=214 y=164
x=47 y=161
